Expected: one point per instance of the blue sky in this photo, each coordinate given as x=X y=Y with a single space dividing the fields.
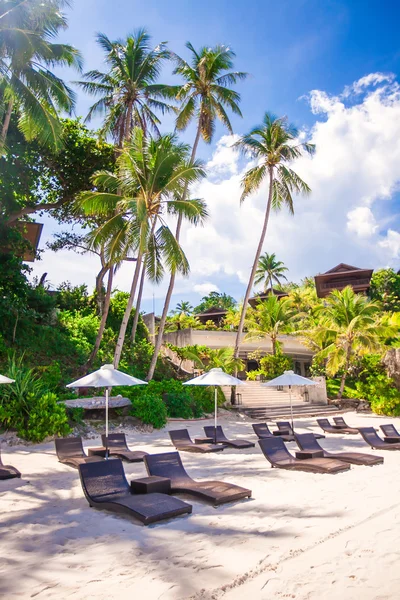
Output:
x=290 y=48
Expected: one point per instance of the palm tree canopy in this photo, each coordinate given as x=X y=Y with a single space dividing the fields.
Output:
x=127 y=92
x=27 y=54
x=269 y=270
x=205 y=93
x=149 y=181
x=274 y=144
x=183 y=308
x=270 y=318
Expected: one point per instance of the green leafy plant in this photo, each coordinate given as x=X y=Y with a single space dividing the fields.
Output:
x=377 y=388
x=150 y=409
x=45 y=418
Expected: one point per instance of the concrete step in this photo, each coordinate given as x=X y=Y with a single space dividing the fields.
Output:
x=299 y=410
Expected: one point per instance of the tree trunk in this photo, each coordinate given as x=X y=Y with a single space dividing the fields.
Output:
x=273 y=340
x=345 y=372
x=138 y=303
x=100 y=290
x=104 y=316
x=255 y=264
x=127 y=314
x=158 y=342
x=6 y=123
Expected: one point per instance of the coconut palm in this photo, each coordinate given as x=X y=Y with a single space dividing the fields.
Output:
x=183 y=308
x=149 y=182
x=270 y=318
x=127 y=92
x=274 y=145
x=349 y=328
x=269 y=271
x=204 y=96
x=27 y=53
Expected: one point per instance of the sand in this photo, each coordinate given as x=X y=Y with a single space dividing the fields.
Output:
x=301 y=535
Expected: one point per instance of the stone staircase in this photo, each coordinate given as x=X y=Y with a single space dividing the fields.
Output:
x=264 y=403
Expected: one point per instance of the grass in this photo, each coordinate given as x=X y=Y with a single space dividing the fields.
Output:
x=333 y=385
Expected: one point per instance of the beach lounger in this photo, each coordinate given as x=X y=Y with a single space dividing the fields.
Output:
x=285 y=426
x=222 y=439
x=308 y=443
x=7 y=471
x=372 y=438
x=278 y=455
x=263 y=431
x=390 y=431
x=182 y=441
x=170 y=465
x=326 y=426
x=70 y=452
x=117 y=446
x=105 y=486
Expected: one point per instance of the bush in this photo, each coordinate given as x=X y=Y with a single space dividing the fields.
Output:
x=45 y=418
x=150 y=409
x=274 y=365
x=377 y=388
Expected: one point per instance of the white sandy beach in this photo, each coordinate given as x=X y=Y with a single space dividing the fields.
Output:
x=301 y=535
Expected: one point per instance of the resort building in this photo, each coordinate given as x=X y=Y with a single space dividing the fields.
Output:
x=341 y=276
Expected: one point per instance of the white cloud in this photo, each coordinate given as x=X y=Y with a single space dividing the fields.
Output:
x=205 y=288
x=225 y=159
x=361 y=221
x=391 y=243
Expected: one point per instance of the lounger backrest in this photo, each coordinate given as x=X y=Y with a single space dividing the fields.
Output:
x=114 y=440
x=69 y=447
x=209 y=431
x=261 y=429
x=389 y=430
x=274 y=449
x=180 y=436
x=324 y=424
x=340 y=421
x=103 y=478
x=307 y=441
x=284 y=426
x=168 y=465
x=370 y=436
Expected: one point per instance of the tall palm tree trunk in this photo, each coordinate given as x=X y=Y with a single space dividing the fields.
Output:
x=255 y=263
x=127 y=313
x=6 y=123
x=138 y=303
x=104 y=315
x=345 y=372
x=159 y=339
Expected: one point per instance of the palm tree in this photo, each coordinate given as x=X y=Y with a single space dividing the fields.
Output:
x=128 y=94
x=183 y=308
x=350 y=327
x=27 y=84
x=204 y=96
x=151 y=176
x=269 y=270
x=270 y=318
x=273 y=144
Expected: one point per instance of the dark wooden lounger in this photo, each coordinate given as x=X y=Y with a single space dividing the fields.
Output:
x=182 y=441
x=390 y=431
x=105 y=486
x=326 y=426
x=7 y=471
x=372 y=438
x=286 y=426
x=308 y=443
x=170 y=465
x=222 y=439
x=278 y=455
x=117 y=446
x=263 y=431
x=70 y=452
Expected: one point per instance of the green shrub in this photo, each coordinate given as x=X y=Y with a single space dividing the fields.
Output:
x=377 y=388
x=50 y=376
x=274 y=365
x=75 y=414
x=45 y=418
x=150 y=409
x=252 y=375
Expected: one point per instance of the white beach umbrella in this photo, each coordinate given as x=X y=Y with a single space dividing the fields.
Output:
x=215 y=377
x=289 y=378
x=107 y=377
x=4 y=379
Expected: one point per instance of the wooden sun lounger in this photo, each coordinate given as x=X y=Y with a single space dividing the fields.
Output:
x=263 y=431
x=183 y=442
x=326 y=426
x=117 y=446
x=390 y=431
x=278 y=455
x=308 y=443
x=286 y=426
x=170 y=465
x=372 y=438
x=105 y=486
x=222 y=439
x=7 y=471
x=70 y=452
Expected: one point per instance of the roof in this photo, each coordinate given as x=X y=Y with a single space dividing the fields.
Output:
x=213 y=310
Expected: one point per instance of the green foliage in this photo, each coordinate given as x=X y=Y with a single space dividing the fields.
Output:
x=82 y=329
x=150 y=409
x=274 y=365
x=385 y=287
x=377 y=388
x=333 y=385
x=46 y=418
x=74 y=298
x=75 y=414
x=215 y=299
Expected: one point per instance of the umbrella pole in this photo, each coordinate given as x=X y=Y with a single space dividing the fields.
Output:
x=107 y=395
x=291 y=406
x=215 y=417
